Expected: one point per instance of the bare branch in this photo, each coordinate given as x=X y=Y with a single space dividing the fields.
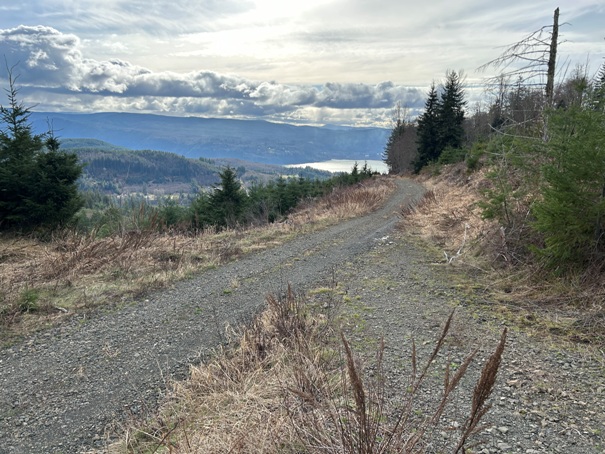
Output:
x=535 y=51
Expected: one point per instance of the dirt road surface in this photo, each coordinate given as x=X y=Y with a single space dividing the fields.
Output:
x=61 y=388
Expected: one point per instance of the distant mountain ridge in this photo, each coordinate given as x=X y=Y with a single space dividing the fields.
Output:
x=194 y=137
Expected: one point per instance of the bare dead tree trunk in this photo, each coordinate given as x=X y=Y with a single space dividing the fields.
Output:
x=536 y=57
x=550 y=75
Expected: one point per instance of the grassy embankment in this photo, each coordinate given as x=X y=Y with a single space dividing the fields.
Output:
x=565 y=308
x=43 y=282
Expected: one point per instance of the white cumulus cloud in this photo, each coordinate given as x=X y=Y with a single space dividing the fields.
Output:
x=47 y=59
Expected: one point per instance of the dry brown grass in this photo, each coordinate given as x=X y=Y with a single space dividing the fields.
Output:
x=235 y=402
x=347 y=202
x=290 y=386
x=449 y=219
x=43 y=282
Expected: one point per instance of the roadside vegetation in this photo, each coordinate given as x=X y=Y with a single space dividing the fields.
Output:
x=290 y=383
x=45 y=278
x=521 y=197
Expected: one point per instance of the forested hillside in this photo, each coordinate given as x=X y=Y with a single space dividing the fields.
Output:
x=112 y=169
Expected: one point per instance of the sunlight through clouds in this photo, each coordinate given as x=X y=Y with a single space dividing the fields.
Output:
x=346 y=61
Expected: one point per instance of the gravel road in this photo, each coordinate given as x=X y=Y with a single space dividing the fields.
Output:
x=61 y=388
x=548 y=399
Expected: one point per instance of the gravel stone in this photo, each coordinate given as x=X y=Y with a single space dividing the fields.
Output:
x=546 y=399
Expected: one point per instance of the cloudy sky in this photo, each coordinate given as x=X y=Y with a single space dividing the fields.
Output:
x=313 y=61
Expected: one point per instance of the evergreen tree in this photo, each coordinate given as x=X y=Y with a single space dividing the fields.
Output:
x=280 y=196
x=304 y=188
x=355 y=176
x=223 y=207
x=292 y=195
x=428 y=131
x=571 y=212
x=37 y=180
x=441 y=125
x=172 y=215
x=366 y=171
x=390 y=156
x=227 y=201
x=450 y=113
x=201 y=215
x=261 y=205
x=53 y=195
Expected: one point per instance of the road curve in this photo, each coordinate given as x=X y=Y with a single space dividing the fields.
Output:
x=62 y=388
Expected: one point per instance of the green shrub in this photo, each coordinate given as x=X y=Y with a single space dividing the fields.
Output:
x=571 y=212
x=452 y=155
x=28 y=301
x=475 y=155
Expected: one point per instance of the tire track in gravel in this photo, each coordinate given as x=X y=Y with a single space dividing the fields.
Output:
x=61 y=388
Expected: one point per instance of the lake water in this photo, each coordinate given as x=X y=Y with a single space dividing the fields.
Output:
x=344 y=165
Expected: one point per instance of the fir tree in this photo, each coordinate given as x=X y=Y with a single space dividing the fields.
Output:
x=428 y=131
x=355 y=176
x=392 y=148
x=223 y=207
x=201 y=215
x=441 y=124
x=571 y=212
x=450 y=113
x=37 y=180
x=366 y=171
x=227 y=201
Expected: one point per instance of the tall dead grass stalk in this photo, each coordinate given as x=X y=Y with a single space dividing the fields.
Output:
x=293 y=384
x=483 y=389
x=368 y=423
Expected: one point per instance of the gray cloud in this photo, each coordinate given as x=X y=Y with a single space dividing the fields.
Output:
x=52 y=61
x=347 y=96
x=309 y=42
x=48 y=57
